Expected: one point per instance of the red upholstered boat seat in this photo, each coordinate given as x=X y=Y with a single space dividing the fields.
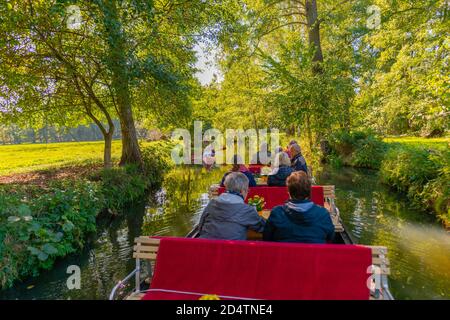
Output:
x=276 y=196
x=255 y=168
x=259 y=270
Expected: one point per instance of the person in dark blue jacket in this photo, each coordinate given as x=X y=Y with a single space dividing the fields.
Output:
x=239 y=167
x=299 y=219
x=298 y=162
x=282 y=169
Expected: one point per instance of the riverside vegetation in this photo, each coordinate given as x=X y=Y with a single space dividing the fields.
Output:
x=418 y=167
x=39 y=224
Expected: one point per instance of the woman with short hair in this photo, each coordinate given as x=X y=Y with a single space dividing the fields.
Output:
x=299 y=219
x=298 y=162
x=282 y=169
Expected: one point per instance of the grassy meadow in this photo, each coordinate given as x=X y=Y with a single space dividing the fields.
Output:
x=431 y=143
x=31 y=157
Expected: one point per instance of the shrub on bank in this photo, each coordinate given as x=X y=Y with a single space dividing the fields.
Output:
x=419 y=171
x=38 y=225
x=157 y=161
x=357 y=149
x=36 y=230
x=120 y=186
x=424 y=175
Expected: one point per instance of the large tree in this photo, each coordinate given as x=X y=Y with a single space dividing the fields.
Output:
x=304 y=58
x=98 y=60
x=405 y=71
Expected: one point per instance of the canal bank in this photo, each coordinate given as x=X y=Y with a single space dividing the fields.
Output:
x=419 y=248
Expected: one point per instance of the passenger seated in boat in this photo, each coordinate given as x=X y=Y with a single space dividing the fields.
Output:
x=299 y=219
x=298 y=162
x=281 y=170
x=239 y=167
x=228 y=217
x=262 y=156
x=274 y=155
x=288 y=151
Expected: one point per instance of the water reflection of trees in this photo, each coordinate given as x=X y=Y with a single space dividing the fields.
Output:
x=418 y=247
x=179 y=200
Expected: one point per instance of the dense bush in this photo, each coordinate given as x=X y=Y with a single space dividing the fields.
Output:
x=38 y=225
x=157 y=160
x=357 y=149
x=420 y=171
x=120 y=186
x=424 y=175
x=34 y=231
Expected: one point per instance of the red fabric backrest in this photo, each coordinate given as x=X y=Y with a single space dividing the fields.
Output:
x=255 y=168
x=261 y=270
x=275 y=196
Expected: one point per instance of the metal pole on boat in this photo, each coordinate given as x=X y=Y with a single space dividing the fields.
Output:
x=138 y=275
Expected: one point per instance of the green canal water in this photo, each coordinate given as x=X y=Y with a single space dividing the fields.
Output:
x=419 y=248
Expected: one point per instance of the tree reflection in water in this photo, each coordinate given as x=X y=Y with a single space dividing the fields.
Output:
x=176 y=208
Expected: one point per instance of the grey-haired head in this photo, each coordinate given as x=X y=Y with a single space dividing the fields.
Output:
x=236 y=182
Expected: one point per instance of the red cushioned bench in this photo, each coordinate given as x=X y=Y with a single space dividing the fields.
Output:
x=275 y=196
x=255 y=270
x=255 y=168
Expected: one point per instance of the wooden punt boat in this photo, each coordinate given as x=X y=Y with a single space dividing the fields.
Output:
x=146 y=249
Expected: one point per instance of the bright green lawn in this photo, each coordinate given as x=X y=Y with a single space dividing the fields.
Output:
x=437 y=143
x=30 y=157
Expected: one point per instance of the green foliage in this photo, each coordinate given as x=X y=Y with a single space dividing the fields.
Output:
x=38 y=225
x=405 y=75
x=157 y=161
x=335 y=160
x=126 y=184
x=357 y=149
x=420 y=168
x=36 y=230
x=424 y=175
x=122 y=185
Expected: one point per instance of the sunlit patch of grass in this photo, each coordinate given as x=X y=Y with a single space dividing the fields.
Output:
x=30 y=157
x=433 y=143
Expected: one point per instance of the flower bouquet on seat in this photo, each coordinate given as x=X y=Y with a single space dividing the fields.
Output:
x=258 y=202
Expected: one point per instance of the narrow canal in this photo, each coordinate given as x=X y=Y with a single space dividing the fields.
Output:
x=419 y=248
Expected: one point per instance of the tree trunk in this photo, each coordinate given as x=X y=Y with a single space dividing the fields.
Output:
x=309 y=132
x=314 y=33
x=131 y=154
x=130 y=146
x=107 y=161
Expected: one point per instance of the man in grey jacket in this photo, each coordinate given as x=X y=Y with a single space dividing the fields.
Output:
x=228 y=217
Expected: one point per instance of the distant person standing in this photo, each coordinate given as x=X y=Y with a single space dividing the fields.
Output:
x=298 y=162
x=209 y=157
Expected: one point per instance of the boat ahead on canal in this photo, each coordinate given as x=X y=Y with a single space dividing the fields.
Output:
x=192 y=268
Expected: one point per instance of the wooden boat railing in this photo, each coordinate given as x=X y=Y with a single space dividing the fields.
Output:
x=146 y=248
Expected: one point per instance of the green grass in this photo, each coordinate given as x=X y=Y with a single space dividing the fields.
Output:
x=30 y=157
x=432 y=143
